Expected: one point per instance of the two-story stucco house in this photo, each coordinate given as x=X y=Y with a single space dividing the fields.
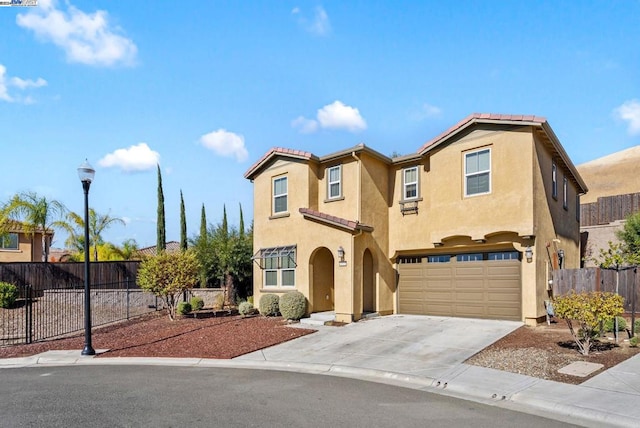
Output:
x=470 y=225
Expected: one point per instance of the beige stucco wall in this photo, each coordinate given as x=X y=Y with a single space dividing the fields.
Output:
x=519 y=205
x=598 y=238
x=26 y=252
x=555 y=227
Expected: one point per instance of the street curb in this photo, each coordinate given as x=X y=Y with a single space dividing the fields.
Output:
x=453 y=385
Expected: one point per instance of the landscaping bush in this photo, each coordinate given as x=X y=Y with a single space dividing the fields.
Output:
x=269 y=305
x=588 y=310
x=197 y=303
x=183 y=308
x=8 y=295
x=636 y=326
x=245 y=308
x=250 y=299
x=293 y=305
x=633 y=342
x=609 y=325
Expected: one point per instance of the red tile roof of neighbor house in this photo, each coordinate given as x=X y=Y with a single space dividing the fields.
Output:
x=351 y=225
x=482 y=118
x=172 y=247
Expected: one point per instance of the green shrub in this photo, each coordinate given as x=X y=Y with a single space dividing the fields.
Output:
x=245 y=308
x=250 y=299
x=633 y=342
x=609 y=325
x=636 y=326
x=269 y=305
x=588 y=310
x=197 y=303
x=183 y=308
x=8 y=295
x=293 y=305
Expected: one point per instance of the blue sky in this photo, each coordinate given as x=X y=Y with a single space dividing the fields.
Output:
x=206 y=88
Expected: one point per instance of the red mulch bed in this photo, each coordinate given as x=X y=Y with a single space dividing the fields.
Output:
x=155 y=335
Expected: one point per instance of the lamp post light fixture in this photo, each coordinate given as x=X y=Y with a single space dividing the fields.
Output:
x=86 y=174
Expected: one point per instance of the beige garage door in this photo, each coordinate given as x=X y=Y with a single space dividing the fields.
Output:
x=480 y=285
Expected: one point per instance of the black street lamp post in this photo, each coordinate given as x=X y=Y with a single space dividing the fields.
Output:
x=86 y=174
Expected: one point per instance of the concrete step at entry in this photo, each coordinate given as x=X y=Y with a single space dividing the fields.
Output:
x=319 y=318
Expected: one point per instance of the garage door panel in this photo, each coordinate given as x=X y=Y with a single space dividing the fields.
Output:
x=479 y=289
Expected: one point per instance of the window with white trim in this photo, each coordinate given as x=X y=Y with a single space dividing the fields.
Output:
x=554 y=180
x=279 y=265
x=439 y=259
x=280 y=195
x=9 y=241
x=565 y=196
x=504 y=255
x=410 y=183
x=334 y=182
x=477 y=172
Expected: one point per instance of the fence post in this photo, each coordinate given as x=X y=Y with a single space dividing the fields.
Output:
x=128 y=303
x=28 y=291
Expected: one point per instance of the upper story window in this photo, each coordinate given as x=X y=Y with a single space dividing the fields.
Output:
x=410 y=183
x=9 y=241
x=554 y=180
x=280 y=195
x=477 y=172
x=334 y=182
x=565 y=196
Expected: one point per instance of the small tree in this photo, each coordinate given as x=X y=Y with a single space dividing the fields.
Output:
x=588 y=310
x=168 y=276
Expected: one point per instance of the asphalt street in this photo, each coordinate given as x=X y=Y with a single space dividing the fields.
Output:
x=138 y=396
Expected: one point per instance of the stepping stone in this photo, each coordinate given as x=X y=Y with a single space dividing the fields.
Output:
x=580 y=368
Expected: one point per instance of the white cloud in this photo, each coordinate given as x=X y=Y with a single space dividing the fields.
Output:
x=28 y=83
x=427 y=111
x=629 y=111
x=225 y=143
x=135 y=158
x=336 y=115
x=21 y=84
x=86 y=38
x=305 y=126
x=319 y=25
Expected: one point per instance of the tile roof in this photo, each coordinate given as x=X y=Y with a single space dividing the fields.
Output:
x=351 y=225
x=277 y=151
x=172 y=247
x=482 y=118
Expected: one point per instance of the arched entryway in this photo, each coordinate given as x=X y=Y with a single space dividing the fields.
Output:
x=368 y=283
x=321 y=267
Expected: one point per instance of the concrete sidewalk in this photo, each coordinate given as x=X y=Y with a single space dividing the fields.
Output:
x=425 y=353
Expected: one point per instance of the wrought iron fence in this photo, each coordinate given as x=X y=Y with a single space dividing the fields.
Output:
x=53 y=305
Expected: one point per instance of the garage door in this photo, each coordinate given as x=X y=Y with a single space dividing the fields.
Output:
x=479 y=285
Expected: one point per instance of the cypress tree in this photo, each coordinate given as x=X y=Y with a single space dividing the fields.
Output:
x=183 y=225
x=161 y=241
x=241 y=227
x=225 y=227
x=203 y=224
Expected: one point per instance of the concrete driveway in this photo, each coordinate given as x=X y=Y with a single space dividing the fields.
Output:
x=423 y=346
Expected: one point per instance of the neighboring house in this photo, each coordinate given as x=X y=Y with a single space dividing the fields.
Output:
x=20 y=245
x=614 y=194
x=171 y=247
x=470 y=225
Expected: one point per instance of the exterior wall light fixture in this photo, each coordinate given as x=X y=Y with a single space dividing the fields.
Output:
x=560 y=258
x=341 y=261
x=528 y=253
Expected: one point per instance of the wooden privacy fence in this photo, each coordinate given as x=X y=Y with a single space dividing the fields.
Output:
x=598 y=279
